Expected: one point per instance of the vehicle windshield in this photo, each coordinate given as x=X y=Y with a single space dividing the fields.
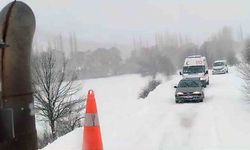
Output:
x=193 y=69
x=219 y=64
x=189 y=83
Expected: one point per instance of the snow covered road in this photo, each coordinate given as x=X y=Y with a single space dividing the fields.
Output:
x=222 y=121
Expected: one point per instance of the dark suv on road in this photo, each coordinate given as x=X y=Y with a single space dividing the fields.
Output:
x=189 y=90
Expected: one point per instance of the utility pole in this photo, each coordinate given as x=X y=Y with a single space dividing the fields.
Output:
x=17 y=26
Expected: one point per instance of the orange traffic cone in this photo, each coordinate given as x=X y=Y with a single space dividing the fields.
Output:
x=92 y=133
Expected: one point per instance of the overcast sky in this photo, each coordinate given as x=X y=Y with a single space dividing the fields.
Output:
x=119 y=21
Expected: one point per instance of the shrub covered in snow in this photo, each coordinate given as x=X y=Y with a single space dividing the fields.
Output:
x=152 y=84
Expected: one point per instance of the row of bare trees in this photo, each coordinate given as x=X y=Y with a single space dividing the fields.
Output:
x=244 y=68
x=165 y=56
x=101 y=62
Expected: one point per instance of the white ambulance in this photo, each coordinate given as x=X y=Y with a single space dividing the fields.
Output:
x=195 y=66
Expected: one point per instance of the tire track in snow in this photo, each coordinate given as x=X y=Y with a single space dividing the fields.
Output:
x=190 y=119
x=205 y=132
x=218 y=139
x=185 y=119
x=207 y=124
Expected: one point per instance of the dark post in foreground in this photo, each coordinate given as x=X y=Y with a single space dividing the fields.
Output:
x=17 y=26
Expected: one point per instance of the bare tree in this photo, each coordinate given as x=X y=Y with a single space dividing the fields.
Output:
x=222 y=45
x=69 y=123
x=44 y=139
x=55 y=90
x=244 y=68
x=246 y=51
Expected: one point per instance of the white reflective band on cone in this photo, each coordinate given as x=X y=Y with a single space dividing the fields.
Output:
x=91 y=120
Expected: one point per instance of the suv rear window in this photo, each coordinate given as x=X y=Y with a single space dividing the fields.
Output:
x=189 y=83
x=219 y=64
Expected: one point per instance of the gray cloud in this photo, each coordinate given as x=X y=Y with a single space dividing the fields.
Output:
x=120 y=20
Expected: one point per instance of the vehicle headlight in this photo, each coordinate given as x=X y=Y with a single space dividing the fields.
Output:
x=197 y=92
x=179 y=93
x=202 y=78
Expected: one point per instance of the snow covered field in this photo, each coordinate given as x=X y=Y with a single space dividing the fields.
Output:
x=221 y=122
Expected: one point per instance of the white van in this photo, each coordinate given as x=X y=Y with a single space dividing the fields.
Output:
x=195 y=66
x=220 y=66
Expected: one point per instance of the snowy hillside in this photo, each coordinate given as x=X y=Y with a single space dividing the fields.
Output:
x=222 y=121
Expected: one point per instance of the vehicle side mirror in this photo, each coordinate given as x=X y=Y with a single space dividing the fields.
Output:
x=175 y=86
x=206 y=72
x=180 y=73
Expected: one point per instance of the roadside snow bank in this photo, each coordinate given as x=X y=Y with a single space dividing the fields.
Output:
x=70 y=141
